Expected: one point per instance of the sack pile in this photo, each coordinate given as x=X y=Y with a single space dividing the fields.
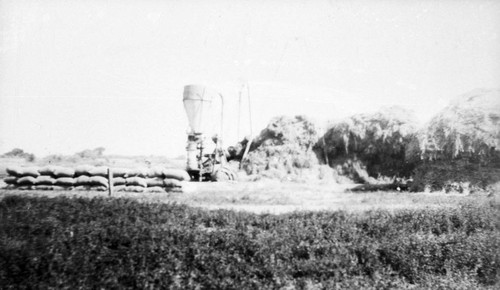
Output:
x=87 y=177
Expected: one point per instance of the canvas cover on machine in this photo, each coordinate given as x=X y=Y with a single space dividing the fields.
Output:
x=197 y=103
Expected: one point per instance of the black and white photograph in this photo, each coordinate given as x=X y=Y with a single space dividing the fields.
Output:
x=237 y=144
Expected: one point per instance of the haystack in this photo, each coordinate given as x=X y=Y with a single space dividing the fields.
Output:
x=469 y=125
x=460 y=145
x=283 y=147
x=365 y=146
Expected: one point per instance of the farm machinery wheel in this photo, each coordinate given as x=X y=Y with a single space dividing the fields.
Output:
x=224 y=173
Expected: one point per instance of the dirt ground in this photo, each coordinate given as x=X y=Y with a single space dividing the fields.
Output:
x=274 y=197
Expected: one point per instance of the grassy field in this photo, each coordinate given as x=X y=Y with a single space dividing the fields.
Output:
x=268 y=196
x=321 y=238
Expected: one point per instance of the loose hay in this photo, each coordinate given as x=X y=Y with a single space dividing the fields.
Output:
x=469 y=125
x=364 y=146
x=285 y=146
x=458 y=150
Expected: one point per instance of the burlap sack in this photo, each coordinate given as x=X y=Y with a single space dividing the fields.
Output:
x=155 y=172
x=178 y=174
x=119 y=181
x=44 y=180
x=64 y=172
x=155 y=189
x=138 y=172
x=82 y=180
x=152 y=182
x=136 y=181
x=26 y=180
x=65 y=181
x=83 y=170
x=134 y=188
x=98 y=181
x=170 y=182
x=99 y=171
x=10 y=180
x=47 y=170
x=120 y=172
x=43 y=187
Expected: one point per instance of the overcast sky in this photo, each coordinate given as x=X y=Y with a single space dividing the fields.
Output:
x=83 y=74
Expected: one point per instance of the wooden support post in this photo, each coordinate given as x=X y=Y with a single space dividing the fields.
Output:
x=110 y=181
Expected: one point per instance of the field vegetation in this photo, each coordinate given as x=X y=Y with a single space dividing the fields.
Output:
x=120 y=243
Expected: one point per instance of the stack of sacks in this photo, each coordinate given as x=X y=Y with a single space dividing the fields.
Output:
x=21 y=177
x=88 y=177
x=45 y=178
x=155 y=179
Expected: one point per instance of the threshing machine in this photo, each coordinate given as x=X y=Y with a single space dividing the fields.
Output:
x=206 y=157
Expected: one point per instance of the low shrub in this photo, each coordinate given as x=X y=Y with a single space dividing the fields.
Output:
x=120 y=243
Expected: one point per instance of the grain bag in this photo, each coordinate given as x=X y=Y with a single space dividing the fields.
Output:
x=152 y=182
x=138 y=172
x=134 y=188
x=99 y=171
x=82 y=180
x=13 y=170
x=43 y=187
x=119 y=188
x=98 y=188
x=155 y=189
x=29 y=171
x=119 y=181
x=44 y=180
x=120 y=172
x=170 y=182
x=64 y=172
x=155 y=172
x=10 y=180
x=65 y=181
x=136 y=181
x=47 y=170
x=98 y=181
x=83 y=170
x=26 y=180
x=178 y=174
